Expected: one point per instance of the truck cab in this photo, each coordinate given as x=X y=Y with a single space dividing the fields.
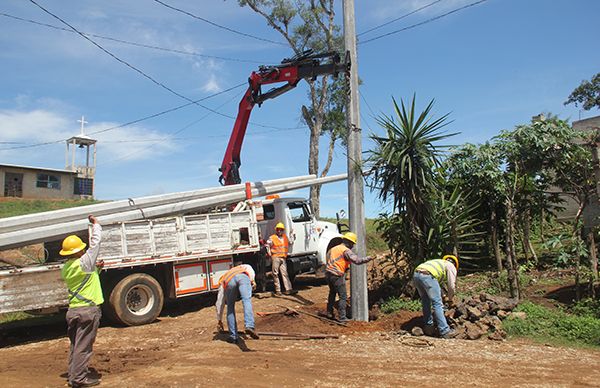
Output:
x=310 y=239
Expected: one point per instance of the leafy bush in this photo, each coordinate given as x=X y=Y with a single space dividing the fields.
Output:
x=587 y=308
x=546 y=324
x=498 y=283
x=395 y=304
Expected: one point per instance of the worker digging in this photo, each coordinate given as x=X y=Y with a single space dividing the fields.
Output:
x=237 y=282
x=80 y=274
x=429 y=277
x=278 y=247
x=338 y=263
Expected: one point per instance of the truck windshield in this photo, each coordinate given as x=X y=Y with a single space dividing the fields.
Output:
x=299 y=212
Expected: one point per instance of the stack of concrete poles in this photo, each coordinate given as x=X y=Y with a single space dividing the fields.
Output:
x=40 y=227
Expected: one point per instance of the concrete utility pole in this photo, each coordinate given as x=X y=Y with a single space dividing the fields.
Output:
x=356 y=201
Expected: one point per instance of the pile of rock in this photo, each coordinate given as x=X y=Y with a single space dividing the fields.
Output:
x=477 y=316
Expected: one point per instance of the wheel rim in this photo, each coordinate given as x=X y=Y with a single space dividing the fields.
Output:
x=140 y=299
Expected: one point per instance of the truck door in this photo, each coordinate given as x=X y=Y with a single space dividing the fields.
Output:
x=302 y=234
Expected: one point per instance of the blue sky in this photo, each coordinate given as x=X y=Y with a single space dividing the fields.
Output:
x=493 y=66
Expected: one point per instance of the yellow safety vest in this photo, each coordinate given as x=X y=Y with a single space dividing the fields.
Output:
x=437 y=269
x=84 y=287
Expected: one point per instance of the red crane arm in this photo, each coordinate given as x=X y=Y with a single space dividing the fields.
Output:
x=290 y=71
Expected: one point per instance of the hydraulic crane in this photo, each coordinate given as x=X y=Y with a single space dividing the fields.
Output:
x=291 y=70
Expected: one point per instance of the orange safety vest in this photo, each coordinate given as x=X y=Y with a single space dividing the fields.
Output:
x=280 y=246
x=227 y=276
x=337 y=263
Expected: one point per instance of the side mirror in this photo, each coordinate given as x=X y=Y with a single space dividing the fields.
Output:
x=340 y=214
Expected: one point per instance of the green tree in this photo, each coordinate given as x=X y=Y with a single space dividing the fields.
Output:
x=478 y=168
x=311 y=25
x=402 y=168
x=587 y=94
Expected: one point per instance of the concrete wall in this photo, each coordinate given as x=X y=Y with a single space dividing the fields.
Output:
x=30 y=190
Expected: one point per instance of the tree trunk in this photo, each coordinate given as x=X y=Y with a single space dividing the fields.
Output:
x=576 y=234
x=593 y=262
x=527 y=235
x=494 y=237
x=512 y=264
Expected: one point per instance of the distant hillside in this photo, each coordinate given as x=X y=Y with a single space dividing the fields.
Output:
x=10 y=207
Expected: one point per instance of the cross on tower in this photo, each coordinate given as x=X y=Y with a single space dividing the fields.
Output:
x=83 y=122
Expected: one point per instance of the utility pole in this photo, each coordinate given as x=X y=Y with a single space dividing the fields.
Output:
x=356 y=201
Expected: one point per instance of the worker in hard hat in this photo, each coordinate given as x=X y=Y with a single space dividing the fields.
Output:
x=429 y=278
x=338 y=262
x=278 y=246
x=80 y=273
x=236 y=283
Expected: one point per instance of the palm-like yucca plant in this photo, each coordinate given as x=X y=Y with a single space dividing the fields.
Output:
x=402 y=163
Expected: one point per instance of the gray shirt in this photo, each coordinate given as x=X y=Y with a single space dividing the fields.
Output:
x=88 y=260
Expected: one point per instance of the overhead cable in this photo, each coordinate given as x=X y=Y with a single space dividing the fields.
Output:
x=219 y=25
x=137 y=44
x=399 y=18
x=423 y=22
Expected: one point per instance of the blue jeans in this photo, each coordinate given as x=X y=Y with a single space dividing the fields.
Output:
x=239 y=286
x=431 y=295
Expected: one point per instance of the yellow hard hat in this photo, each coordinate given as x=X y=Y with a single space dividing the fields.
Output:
x=280 y=226
x=350 y=237
x=452 y=257
x=72 y=245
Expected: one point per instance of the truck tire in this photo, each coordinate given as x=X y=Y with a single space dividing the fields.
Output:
x=136 y=300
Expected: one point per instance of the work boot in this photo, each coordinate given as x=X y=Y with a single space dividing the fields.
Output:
x=429 y=330
x=232 y=340
x=87 y=382
x=343 y=320
x=276 y=293
x=290 y=292
x=328 y=315
x=250 y=331
x=450 y=334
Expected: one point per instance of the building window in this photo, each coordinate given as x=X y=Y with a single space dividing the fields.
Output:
x=48 y=181
x=84 y=186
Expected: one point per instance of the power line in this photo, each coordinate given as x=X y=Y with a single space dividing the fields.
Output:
x=424 y=22
x=399 y=18
x=129 y=122
x=141 y=72
x=137 y=44
x=218 y=25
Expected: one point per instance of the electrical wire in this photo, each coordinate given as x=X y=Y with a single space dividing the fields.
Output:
x=142 y=73
x=423 y=22
x=218 y=25
x=137 y=44
x=399 y=18
x=129 y=122
x=168 y=137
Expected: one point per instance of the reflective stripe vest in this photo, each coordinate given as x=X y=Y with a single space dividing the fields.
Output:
x=227 y=276
x=280 y=246
x=337 y=263
x=437 y=269
x=84 y=287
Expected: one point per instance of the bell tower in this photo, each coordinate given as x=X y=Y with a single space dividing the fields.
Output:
x=84 y=182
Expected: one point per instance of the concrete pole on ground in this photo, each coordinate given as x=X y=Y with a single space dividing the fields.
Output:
x=356 y=202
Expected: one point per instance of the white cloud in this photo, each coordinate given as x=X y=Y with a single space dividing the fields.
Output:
x=212 y=85
x=121 y=144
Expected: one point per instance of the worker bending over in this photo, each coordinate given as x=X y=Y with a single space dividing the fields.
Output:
x=338 y=263
x=278 y=246
x=80 y=273
x=237 y=282
x=428 y=278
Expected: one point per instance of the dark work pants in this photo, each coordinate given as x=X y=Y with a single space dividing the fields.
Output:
x=82 y=325
x=337 y=286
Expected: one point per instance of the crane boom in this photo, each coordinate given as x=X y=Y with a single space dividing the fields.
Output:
x=291 y=71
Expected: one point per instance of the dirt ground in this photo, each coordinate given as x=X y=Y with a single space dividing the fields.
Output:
x=182 y=350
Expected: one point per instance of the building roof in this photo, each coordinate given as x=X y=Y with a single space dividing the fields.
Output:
x=38 y=168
